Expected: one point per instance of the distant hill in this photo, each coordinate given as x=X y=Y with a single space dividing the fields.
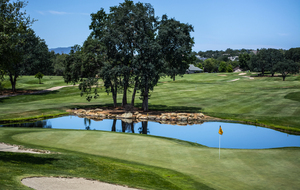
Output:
x=61 y=50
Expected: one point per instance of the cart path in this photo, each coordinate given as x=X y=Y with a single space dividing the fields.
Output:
x=39 y=92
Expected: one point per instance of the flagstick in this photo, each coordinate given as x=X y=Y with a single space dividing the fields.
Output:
x=219 y=144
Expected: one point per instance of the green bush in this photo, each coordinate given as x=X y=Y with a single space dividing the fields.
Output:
x=39 y=75
x=222 y=66
x=229 y=69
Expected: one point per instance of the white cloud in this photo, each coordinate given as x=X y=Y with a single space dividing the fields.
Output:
x=41 y=12
x=58 y=13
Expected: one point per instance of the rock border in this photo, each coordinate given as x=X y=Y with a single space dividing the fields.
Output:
x=137 y=116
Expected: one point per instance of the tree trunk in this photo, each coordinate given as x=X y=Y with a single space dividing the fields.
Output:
x=145 y=99
x=124 y=101
x=145 y=96
x=13 y=80
x=114 y=93
x=263 y=71
x=145 y=103
x=133 y=94
x=283 y=77
x=174 y=78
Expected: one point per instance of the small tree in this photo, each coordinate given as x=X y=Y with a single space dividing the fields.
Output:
x=223 y=67
x=39 y=75
x=287 y=67
x=229 y=69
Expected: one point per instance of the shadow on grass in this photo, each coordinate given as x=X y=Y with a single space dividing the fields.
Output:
x=293 y=96
x=24 y=158
x=159 y=107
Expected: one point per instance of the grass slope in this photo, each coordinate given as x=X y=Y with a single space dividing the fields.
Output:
x=157 y=163
x=267 y=100
x=127 y=158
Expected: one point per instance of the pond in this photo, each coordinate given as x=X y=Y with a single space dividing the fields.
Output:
x=235 y=136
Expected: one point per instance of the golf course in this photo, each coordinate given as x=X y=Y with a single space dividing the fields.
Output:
x=149 y=162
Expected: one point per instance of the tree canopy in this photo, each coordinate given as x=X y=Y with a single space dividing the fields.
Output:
x=131 y=49
x=22 y=52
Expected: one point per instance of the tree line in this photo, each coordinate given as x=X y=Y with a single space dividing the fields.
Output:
x=261 y=60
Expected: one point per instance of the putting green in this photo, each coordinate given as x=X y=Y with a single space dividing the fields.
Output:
x=236 y=169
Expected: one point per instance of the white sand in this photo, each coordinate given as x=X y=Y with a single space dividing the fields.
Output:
x=50 y=183
x=14 y=148
x=234 y=80
x=242 y=73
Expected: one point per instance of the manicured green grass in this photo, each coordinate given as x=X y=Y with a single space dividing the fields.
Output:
x=266 y=100
x=32 y=83
x=147 y=162
x=158 y=163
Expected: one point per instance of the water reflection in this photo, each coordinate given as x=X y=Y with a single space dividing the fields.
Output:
x=235 y=135
x=113 y=127
x=144 y=128
x=87 y=123
x=38 y=124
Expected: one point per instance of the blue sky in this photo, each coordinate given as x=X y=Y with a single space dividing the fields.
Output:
x=218 y=24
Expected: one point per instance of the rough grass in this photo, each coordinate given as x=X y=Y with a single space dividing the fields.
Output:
x=138 y=160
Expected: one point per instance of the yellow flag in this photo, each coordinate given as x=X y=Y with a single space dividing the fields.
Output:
x=220 y=131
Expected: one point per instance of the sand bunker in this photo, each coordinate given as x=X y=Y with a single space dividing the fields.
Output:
x=242 y=73
x=49 y=183
x=234 y=80
x=14 y=148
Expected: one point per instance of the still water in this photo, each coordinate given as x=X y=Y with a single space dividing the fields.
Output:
x=235 y=136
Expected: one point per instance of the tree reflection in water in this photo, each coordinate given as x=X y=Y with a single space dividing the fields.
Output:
x=87 y=123
x=144 y=128
x=113 y=127
x=127 y=126
x=38 y=124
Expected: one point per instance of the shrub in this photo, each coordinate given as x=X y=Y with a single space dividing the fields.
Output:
x=39 y=75
x=229 y=69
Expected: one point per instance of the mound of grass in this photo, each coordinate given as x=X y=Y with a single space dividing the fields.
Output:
x=146 y=162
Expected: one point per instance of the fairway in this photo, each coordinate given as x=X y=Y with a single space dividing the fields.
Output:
x=235 y=169
x=265 y=100
x=171 y=163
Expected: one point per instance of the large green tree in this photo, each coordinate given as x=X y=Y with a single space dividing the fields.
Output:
x=176 y=45
x=36 y=57
x=133 y=44
x=293 y=54
x=14 y=25
x=265 y=60
x=243 y=60
x=286 y=67
x=210 y=65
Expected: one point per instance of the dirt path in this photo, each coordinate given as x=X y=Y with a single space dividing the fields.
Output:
x=36 y=92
